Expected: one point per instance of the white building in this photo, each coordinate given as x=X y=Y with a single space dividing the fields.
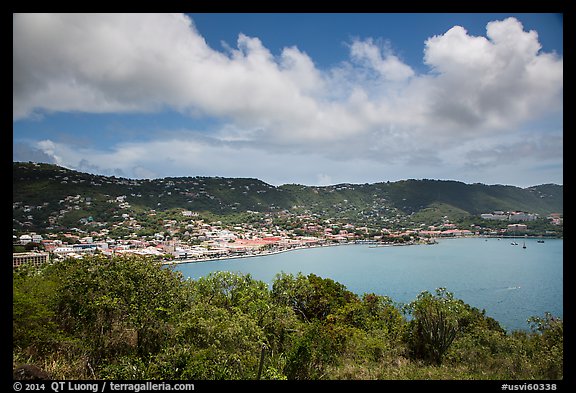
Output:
x=494 y=216
x=25 y=239
x=521 y=216
x=63 y=250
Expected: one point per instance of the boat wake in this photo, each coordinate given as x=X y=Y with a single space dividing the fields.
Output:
x=508 y=288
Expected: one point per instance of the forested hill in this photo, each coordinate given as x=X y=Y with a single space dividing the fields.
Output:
x=39 y=190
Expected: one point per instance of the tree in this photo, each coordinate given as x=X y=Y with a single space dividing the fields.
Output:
x=235 y=312
x=380 y=313
x=435 y=324
x=549 y=345
x=311 y=297
x=116 y=305
x=33 y=315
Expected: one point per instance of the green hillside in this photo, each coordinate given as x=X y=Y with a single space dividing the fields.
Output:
x=48 y=196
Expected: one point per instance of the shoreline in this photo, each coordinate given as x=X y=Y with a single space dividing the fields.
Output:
x=267 y=253
x=371 y=244
x=263 y=254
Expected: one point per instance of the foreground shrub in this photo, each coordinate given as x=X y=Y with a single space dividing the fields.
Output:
x=132 y=318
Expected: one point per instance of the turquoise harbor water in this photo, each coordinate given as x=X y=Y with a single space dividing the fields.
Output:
x=510 y=282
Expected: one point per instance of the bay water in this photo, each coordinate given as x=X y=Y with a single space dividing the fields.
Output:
x=510 y=282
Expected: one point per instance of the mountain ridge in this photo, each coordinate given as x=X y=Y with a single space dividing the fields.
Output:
x=46 y=187
x=59 y=167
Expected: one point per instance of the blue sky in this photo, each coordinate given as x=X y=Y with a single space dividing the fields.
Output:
x=293 y=98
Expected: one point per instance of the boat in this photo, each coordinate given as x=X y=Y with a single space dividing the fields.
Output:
x=514 y=243
x=540 y=241
x=524 y=245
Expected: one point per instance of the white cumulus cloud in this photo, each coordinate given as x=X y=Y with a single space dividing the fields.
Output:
x=371 y=106
x=494 y=81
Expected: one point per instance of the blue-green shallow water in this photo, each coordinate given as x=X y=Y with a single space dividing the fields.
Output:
x=509 y=282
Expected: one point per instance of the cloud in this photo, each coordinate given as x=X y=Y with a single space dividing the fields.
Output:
x=543 y=149
x=181 y=157
x=494 y=81
x=371 y=106
x=490 y=163
x=24 y=152
x=387 y=65
x=144 y=62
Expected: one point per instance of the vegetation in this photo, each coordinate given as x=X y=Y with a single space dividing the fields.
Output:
x=131 y=318
x=51 y=198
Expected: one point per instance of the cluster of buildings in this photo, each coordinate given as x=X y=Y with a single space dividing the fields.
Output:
x=517 y=217
x=189 y=238
x=216 y=242
x=509 y=216
x=226 y=246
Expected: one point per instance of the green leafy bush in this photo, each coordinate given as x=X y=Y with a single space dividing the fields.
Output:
x=132 y=318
